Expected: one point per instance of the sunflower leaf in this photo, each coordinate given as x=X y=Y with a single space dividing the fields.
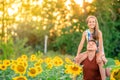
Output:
x=110 y=63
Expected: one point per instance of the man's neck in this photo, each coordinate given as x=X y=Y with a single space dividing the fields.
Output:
x=91 y=54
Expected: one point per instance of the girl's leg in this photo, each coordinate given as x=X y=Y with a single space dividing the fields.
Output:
x=104 y=59
x=108 y=72
x=102 y=71
x=101 y=57
x=82 y=58
x=78 y=59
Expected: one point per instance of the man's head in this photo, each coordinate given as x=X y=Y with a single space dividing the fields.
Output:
x=91 y=45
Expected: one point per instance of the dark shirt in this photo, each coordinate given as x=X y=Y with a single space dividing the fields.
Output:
x=91 y=69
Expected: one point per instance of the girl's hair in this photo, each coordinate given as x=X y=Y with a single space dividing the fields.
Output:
x=96 y=28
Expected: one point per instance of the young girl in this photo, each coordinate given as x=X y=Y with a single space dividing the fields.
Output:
x=92 y=33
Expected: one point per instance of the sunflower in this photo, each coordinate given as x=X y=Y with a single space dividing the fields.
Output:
x=13 y=66
x=19 y=59
x=13 y=61
x=40 y=61
x=24 y=57
x=3 y=67
x=21 y=69
x=39 y=69
x=24 y=63
x=67 y=60
x=33 y=58
x=33 y=72
x=117 y=62
x=20 y=78
x=49 y=65
x=57 y=61
x=47 y=60
x=6 y=62
x=73 y=69
x=37 y=64
x=67 y=71
x=115 y=74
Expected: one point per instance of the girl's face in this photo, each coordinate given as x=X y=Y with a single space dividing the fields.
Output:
x=91 y=23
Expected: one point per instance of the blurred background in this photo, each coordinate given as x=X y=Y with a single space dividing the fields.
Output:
x=25 y=23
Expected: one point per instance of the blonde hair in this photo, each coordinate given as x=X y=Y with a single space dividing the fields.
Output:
x=96 y=28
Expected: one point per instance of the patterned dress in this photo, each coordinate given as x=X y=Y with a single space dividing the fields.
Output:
x=89 y=37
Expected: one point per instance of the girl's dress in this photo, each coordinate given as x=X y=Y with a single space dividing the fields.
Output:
x=89 y=37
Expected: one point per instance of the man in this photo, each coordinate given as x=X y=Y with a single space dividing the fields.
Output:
x=92 y=70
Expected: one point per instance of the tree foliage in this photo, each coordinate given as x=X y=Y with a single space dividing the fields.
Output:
x=62 y=20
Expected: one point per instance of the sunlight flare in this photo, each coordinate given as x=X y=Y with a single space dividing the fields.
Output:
x=1 y=13
x=80 y=2
x=10 y=11
x=13 y=10
x=89 y=1
x=67 y=3
x=39 y=2
x=44 y=27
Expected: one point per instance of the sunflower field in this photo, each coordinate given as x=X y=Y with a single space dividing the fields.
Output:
x=35 y=68
x=115 y=71
x=48 y=68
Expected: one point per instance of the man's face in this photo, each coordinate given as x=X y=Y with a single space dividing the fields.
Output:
x=91 y=46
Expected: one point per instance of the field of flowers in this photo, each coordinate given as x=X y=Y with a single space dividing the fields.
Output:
x=48 y=68
x=115 y=72
x=34 y=68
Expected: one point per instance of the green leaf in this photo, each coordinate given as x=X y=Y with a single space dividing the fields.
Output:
x=63 y=77
x=110 y=63
x=107 y=78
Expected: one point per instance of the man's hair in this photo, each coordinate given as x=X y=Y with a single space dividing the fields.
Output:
x=92 y=40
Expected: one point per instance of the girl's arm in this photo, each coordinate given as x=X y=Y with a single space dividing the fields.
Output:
x=81 y=43
x=100 y=42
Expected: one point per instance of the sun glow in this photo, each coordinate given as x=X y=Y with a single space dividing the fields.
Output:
x=89 y=1
x=10 y=11
x=81 y=2
x=13 y=9
x=67 y=3
x=38 y=2
x=1 y=13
